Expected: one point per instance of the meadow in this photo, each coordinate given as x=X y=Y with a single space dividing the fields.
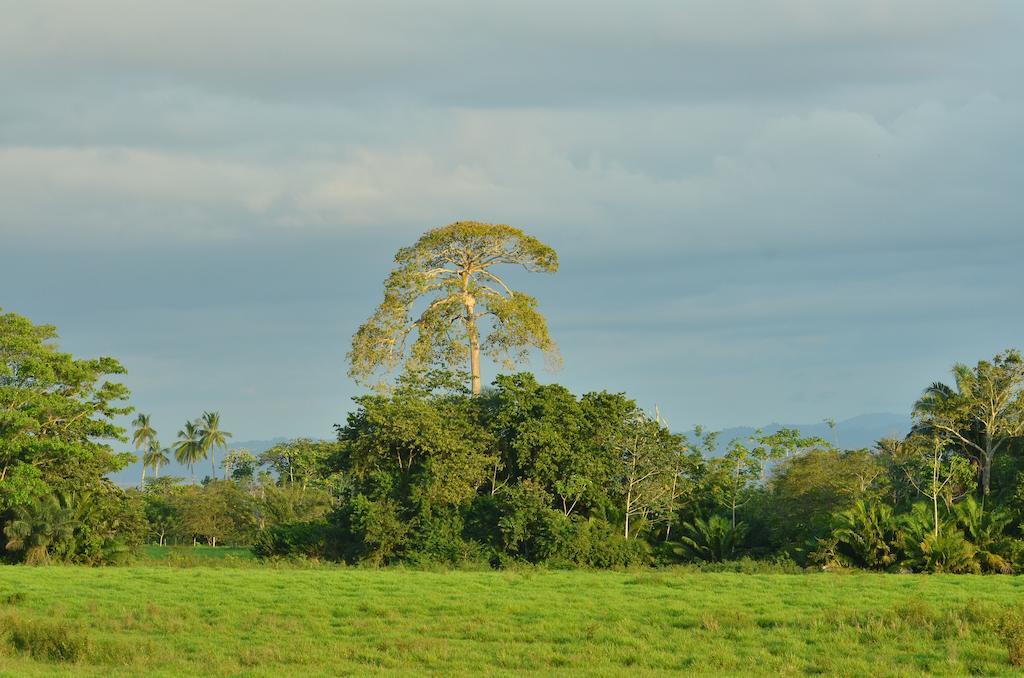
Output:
x=259 y=620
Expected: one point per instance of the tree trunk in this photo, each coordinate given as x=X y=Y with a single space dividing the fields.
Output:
x=986 y=469
x=143 y=475
x=213 y=464
x=474 y=344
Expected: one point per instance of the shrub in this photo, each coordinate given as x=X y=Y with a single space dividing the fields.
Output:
x=306 y=540
x=714 y=540
x=865 y=535
x=948 y=551
x=1011 y=630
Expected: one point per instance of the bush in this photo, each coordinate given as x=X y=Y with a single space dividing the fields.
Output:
x=948 y=551
x=593 y=543
x=306 y=540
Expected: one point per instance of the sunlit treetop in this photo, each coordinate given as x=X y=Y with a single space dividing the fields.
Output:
x=451 y=269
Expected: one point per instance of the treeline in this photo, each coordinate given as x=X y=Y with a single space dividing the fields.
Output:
x=430 y=473
x=529 y=472
x=288 y=483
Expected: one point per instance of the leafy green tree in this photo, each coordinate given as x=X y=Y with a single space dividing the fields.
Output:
x=982 y=413
x=734 y=476
x=649 y=452
x=57 y=419
x=452 y=267
x=212 y=437
x=161 y=511
x=280 y=504
x=686 y=467
x=933 y=470
x=217 y=511
x=188 y=450
x=433 y=445
x=302 y=461
x=567 y=445
x=807 y=489
x=143 y=438
x=240 y=465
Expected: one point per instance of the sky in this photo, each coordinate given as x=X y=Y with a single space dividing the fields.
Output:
x=765 y=211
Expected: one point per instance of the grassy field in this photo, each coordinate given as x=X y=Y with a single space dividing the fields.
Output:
x=162 y=620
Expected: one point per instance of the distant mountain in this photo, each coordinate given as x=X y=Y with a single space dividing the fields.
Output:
x=857 y=432
x=131 y=475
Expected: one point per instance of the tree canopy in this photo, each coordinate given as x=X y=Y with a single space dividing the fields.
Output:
x=468 y=309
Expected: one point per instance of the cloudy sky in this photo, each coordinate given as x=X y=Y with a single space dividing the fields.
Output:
x=765 y=211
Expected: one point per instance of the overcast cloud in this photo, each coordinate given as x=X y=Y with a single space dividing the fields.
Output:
x=783 y=210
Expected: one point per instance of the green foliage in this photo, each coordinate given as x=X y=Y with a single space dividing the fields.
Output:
x=981 y=414
x=57 y=417
x=377 y=531
x=240 y=465
x=865 y=535
x=735 y=478
x=36 y=529
x=715 y=539
x=931 y=548
x=306 y=540
x=451 y=267
x=807 y=489
x=986 y=532
x=303 y=461
x=188 y=450
x=211 y=437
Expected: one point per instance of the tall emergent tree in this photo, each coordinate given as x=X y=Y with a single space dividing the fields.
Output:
x=981 y=414
x=451 y=268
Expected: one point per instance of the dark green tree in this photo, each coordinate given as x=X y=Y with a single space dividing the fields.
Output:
x=57 y=420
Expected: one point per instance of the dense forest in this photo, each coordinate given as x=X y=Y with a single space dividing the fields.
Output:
x=433 y=467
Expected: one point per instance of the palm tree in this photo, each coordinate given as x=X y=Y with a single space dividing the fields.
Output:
x=36 y=528
x=211 y=437
x=143 y=437
x=987 y=531
x=155 y=457
x=715 y=539
x=864 y=535
x=188 y=449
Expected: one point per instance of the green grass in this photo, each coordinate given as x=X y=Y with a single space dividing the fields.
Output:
x=160 y=620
